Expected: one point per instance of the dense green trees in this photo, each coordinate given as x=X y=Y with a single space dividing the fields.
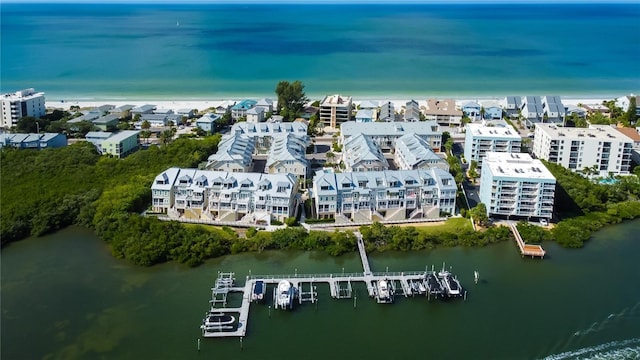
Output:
x=43 y=191
x=291 y=99
x=380 y=237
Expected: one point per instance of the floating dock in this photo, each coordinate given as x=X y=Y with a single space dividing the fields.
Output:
x=408 y=283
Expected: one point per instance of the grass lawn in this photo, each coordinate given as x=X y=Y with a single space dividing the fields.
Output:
x=452 y=225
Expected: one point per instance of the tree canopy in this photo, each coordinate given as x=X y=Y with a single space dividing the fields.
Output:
x=291 y=99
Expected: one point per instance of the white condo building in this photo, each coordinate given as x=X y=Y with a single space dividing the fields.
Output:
x=384 y=195
x=600 y=148
x=21 y=103
x=250 y=198
x=517 y=185
x=481 y=139
x=385 y=134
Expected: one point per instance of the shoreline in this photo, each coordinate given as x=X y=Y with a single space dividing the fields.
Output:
x=204 y=103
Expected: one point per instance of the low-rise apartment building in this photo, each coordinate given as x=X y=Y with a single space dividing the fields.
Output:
x=384 y=195
x=481 y=139
x=33 y=141
x=600 y=148
x=517 y=185
x=121 y=144
x=443 y=112
x=385 y=134
x=252 y=198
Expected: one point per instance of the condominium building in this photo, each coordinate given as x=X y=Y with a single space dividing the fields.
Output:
x=413 y=152
x=360 y=154
x=512 y=106
x=481 y=138
x=599 y=148
x=21 y=103
x=384 y=195
x=553 y=109
x=517 y=185
x=412 y=111
x=234 y=154
x=443 y=112
x=121 y=144
x=387 y=112
x=263 y=133
x=251 y=198
x=335 y=110
x=532 y=110
x=288 y=155
x=385 y=134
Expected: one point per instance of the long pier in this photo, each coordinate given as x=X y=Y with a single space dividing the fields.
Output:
x=526 y=249
x=407 y=283
x=363 y=254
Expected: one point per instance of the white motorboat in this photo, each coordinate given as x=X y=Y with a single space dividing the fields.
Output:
x=285 y=294
x=385 y=291
x=451 y=285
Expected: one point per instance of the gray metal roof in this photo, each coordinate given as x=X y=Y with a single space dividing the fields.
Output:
x=393 y=128
x=416 y=150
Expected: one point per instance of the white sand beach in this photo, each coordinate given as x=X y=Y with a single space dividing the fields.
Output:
x=203 y=105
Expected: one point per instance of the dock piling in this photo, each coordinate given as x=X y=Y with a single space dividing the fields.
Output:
x=198 y=344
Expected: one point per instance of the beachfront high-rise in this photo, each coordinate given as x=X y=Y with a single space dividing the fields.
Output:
x=601 y=149
x=517 y=185
x=335 y=109
x=482 y=138
x=21 y=103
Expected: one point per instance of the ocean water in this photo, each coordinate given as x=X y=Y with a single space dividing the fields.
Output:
x=107 y=51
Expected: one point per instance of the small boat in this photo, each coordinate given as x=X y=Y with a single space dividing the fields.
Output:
x=285 y=295
x=451 y=285
x=385 y=291
x=213 y=322
x=259 y=289
x=421 y=287
x=433 y=284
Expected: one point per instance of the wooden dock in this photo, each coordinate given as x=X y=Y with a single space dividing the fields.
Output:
x=340 y=286
x=526 y=249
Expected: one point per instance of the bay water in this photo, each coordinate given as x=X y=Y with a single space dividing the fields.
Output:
x=65 y=297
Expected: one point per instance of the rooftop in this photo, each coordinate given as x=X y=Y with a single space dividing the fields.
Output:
x=493 y=132
x=598 y=132
x=515 y=165
x=391 y=128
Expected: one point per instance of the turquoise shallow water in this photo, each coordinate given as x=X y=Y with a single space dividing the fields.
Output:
x=65 y=297
x=121 y=51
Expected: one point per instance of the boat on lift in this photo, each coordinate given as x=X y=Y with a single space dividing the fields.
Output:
x=285 y=295
x=259 y=289
x=385 y=291
x=450 y=283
